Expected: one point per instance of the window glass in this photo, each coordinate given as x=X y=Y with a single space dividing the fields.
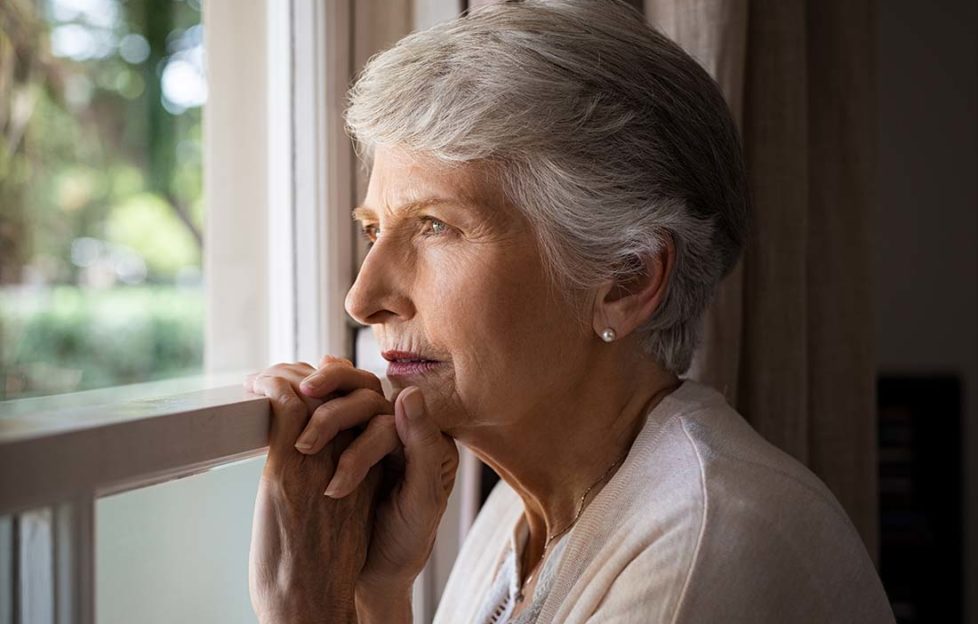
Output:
x=101 y=211
x=177 y=551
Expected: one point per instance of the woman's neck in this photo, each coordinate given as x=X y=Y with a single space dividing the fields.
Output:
x=552 y=455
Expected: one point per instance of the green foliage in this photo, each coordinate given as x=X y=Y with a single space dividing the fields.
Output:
x=100 y=184
x=67 y=338
x=146 y=223
x=84 y=125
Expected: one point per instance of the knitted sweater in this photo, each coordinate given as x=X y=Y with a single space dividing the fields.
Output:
x=704 y=522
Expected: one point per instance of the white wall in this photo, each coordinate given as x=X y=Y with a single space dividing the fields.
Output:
x=235 y=188
x=927 y=263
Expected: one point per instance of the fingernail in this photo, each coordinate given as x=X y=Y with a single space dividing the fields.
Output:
x=334 y=488
x=306 y=441
x=413 y=405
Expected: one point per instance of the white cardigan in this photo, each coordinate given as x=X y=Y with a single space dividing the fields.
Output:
x=704 y=522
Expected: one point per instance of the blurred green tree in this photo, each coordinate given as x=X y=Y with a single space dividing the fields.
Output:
x=100 y=192
x=74 y=123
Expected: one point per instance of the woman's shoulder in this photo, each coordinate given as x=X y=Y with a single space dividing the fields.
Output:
x=705 y=512
x=699 y=449
x=699 y=466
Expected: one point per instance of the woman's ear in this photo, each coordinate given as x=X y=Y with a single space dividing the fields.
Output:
x=627 y=302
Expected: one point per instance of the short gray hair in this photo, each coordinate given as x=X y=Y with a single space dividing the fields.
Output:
x=601 y=130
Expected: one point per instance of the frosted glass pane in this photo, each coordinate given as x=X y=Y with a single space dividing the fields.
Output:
x=178 y=551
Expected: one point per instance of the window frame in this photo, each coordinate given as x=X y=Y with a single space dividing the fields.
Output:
x=55 y=461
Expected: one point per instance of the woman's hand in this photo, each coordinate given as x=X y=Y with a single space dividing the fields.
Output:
x=307 y=550
x=419 y=472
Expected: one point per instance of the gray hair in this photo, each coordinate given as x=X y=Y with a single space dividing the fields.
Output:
x=602 y=131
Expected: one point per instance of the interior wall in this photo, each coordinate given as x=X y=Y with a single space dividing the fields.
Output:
x=926 y=259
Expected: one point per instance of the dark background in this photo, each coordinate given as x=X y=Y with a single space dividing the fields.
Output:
x=926 y=281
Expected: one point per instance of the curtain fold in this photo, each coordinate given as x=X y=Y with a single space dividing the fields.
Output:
x=714 y=32
x=842 y=197
x=789 y=336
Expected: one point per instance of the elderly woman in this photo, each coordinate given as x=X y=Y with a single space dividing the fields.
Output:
x=555 y=192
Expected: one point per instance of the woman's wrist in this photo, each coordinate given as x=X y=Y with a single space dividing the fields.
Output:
x=384 y=605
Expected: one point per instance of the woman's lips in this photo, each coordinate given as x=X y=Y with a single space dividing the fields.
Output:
x=407 y=364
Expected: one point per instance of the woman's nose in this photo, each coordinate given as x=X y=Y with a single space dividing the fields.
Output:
x=379 y=292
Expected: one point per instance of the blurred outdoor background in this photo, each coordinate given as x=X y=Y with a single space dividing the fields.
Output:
x=101 y=212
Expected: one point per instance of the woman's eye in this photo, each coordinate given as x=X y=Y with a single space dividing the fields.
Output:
x=434 y=226
x=370 y=232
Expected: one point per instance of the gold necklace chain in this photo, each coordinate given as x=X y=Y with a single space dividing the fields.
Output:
x=580 y=510
x=580 y=506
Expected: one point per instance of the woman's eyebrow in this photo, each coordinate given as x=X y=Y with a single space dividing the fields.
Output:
x=363 y=213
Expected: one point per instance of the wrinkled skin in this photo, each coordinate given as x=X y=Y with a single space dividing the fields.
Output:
x=352 y=554
x=294 y=521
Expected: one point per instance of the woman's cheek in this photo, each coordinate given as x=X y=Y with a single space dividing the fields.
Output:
x=456 y=285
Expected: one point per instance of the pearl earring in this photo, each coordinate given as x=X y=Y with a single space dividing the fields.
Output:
x=608 y=335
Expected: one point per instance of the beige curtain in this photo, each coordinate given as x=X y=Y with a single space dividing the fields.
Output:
x=789 y=339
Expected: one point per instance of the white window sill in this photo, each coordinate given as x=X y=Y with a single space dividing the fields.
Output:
x=108 y=441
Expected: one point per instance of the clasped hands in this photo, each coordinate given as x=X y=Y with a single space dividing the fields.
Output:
x=350 y=497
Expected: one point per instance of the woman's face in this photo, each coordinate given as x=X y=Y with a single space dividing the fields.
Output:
x=455 y=277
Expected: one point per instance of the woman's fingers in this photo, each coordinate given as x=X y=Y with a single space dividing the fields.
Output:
x=346 y=412
x=354 y=398
x=249 y=382
x=330 y=359
x=377 y=441
x=288 y=410
x=338 y=375
x=430 y=456
x=294 y=373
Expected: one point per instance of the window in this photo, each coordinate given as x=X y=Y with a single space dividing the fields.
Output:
x=140 y=520
x=101 y=213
